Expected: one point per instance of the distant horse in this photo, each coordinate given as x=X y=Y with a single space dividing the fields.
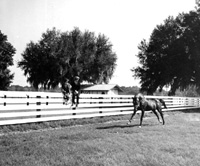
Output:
x=140 y=102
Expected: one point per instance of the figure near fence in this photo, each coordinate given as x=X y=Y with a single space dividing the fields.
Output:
x=66 y=91
x=141 y=103
x=75 y=91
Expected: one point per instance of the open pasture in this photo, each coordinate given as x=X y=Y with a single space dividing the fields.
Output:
x=111 y=143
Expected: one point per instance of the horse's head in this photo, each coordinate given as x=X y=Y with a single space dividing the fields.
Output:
x=140 y=96
x=137 y=100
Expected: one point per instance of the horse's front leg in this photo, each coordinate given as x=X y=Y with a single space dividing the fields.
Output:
x=141 y=117
x=134 y=112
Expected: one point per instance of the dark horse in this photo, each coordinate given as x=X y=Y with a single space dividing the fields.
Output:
x=140 y=102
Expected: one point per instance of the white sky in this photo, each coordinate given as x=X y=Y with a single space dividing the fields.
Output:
x=124 y=22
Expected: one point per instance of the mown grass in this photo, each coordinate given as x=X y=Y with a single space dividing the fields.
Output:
x=108 y=144
x=58 y=124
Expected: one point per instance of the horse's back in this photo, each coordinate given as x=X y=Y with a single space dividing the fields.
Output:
x=149 y=104
x=158 y=104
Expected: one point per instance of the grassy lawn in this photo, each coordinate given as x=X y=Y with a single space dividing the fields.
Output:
x=108 y=144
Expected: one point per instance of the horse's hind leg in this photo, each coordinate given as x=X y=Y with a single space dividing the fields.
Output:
x=154 y=111
x=161 y=114
x=141 y=118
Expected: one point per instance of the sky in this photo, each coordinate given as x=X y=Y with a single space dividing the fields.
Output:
x=125 y=22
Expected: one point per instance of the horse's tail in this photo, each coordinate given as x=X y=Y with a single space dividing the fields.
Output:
x=163 y=103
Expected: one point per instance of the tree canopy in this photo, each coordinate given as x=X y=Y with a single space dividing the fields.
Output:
x=7 y=52
x=172 y=55
x=64 y=55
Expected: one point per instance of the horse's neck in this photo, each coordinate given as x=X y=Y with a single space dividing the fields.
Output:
x=143 y=102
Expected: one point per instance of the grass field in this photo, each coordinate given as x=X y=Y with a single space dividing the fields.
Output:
x=112 y=143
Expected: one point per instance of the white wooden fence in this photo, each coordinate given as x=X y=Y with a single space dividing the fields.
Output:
x=28 y=107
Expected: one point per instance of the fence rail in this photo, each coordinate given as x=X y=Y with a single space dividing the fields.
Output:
x=29 y=107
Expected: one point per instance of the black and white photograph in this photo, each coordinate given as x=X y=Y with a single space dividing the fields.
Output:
x=99 y=82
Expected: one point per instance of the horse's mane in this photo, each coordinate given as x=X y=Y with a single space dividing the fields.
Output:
x=140 y=96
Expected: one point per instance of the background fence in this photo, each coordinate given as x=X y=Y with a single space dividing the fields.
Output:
x=27 y=107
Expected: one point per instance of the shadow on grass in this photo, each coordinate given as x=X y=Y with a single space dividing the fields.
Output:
x=121 y=126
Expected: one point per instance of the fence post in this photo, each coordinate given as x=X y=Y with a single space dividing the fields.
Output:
x=100 y=111
x=38 y=103
x=4 y=101
x=27 y=101
x=47 y=101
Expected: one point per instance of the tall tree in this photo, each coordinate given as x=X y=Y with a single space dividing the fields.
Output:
x=88 y=56
x=172 y=55
x=7 y=52
x=58 y=55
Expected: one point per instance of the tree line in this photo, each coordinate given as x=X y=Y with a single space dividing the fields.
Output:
x=59 y=55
